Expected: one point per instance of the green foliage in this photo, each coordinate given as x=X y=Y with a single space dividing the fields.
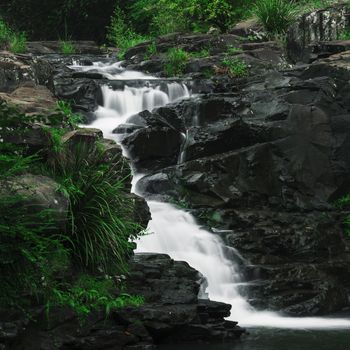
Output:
x=91 y=293
x=231 y=50
x=15 y=42
x=343 y=201
x=101 y=212
x=35 y=251
x=236 y=67
x=205 y=52
x=120 y=33
x=160 y=17
x=345 y=35
x=177 y=60
x=67 y=47
x=275 y=15
x=151 y=50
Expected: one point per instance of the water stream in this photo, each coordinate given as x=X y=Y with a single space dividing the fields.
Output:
x=174 y=231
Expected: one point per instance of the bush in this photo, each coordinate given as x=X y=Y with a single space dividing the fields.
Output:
x=275 y=15
x=177 y=60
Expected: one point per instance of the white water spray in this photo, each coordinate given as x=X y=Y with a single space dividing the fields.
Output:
x=175 y=232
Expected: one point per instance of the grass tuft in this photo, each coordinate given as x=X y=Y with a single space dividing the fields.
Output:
x=275 y=15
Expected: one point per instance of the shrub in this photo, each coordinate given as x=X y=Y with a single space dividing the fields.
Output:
x=236 y=67
x=120 y=34
x=275 y=15
x=177 y=60
x=67 y=47
x=101 y=211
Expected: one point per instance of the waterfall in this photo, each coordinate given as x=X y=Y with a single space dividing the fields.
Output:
x=174 y=231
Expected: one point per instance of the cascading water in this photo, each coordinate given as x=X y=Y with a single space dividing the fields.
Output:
x=175 y=232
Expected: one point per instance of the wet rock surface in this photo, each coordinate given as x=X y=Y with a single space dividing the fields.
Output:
x=171 y=314
x=262 y=164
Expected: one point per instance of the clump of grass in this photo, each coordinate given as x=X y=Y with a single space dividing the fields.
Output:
x=101 y=212
x=177 y=60
x=275 y=15
x=232 y=50
x=235 y=66
x=67 y=47
x=204 y=52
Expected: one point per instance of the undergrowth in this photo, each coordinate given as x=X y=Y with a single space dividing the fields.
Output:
x=38 y=252
x=177 y=60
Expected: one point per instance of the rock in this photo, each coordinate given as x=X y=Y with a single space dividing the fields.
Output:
x=320 y=25
x=171 y=314
x=37 y=193
x=246 y=28
x=31 y=99
x=52 y=47
x=17 y=69
x=265 y=164
x=144 y=148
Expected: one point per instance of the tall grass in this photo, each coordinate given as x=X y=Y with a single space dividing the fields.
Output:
x=101 y=211
x=275 y=15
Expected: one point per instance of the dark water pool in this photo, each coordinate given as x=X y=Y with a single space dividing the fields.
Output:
x=280 y=339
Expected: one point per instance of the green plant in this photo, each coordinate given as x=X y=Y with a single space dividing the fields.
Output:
x=344 y=35
x=232 y=50
x=90 y=293
x=67 y=47
x=120 y=34
x=151 y=50
x=208 y=73
x=342 y=202
x=101 y=211
x=275 y=15
x=236 y=67
x=15 y=42
x=205 y=52
x=177 y=60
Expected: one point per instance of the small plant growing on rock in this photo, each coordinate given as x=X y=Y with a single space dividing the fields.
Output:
x=67 y=47
x=275 y=15
x=236 y=67
x=151 y=50
x=177 y=60
x=232 y=50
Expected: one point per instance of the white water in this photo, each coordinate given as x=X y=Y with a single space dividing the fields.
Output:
x=175 y=232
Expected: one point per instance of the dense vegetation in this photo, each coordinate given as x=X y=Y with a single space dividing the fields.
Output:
x=125 y=23
x=57 y=260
